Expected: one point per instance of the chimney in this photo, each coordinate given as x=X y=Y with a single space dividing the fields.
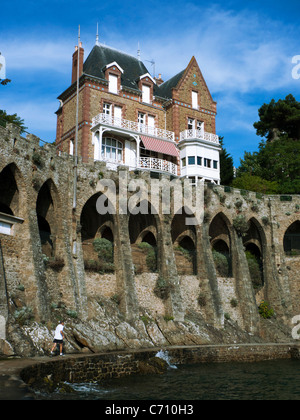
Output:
x=159 y=80
x=74 y=62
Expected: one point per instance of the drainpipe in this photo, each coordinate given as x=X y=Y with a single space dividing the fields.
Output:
x=76 y=128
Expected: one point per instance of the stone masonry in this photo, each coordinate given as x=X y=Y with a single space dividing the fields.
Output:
x=39 y=274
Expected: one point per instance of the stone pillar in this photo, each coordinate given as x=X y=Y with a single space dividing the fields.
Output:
x=208 y=278
x=125 y=269
x=168 y=269
x=244 y=287
x=3 y=291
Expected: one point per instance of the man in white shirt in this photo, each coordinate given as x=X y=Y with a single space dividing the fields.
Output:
x=58 y=337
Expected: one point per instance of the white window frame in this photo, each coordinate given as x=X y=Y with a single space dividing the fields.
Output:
x=142 y=121
x=146 y=94
x=195 y=103
x=112 y=83
x=106 y=108
x=110 y=148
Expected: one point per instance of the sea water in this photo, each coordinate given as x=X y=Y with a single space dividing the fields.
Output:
x=270 y=380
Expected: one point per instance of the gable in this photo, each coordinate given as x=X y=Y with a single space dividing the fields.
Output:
x=192 y=80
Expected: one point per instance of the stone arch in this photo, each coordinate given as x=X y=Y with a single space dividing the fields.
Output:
x=11 y=187
x=184 y=242
x=48 y=218
x=142 y=223
x=143 y=229
x=291 y=239
x=255 y=247
x=220 y=240
x=95 y=226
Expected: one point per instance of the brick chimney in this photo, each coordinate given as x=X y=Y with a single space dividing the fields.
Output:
x=158 y=80
x=74 y=62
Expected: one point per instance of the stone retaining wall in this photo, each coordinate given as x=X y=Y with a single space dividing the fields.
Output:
x=116 y=365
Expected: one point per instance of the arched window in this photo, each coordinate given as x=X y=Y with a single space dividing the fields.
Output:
x=112 y=149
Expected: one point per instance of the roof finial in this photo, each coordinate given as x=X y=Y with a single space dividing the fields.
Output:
x=97 y=36
x=139 y=52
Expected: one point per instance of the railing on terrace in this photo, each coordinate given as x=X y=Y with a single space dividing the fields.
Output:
x=132 y=126
x=158 y=164
x=199 y=134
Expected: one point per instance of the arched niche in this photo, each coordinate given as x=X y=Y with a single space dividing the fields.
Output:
x=221 y=245
x=291 y=240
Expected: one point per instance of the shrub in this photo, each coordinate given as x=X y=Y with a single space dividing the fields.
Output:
x=265 y=310
x=37 y=159
x=162 y=288
x=255 y=270
x=151 y=258
x=23 y=315
x=240 y=224
x=104 y=248
x=202 y=300
x=222 y=263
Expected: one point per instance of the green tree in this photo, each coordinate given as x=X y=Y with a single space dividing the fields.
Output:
x=277 y=160
x=12 y=119
x=279 y=118
x=255 y=183
x=226 y=165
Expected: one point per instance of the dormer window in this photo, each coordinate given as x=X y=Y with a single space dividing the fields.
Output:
x=146 y=90
x=112 y=83
x=113 y=74
x=145 y=84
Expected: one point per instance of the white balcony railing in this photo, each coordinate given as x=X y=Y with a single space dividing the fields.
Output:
x=199 y=134
x=158 y=164
x=132 y=126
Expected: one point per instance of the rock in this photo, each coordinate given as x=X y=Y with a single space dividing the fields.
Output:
x=153 y=365
x=5 y=348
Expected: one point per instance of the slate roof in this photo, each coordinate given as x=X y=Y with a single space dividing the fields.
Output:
x=102 y=55
x=166 y=87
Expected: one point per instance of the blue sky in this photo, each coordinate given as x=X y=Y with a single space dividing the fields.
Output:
x=244 y=49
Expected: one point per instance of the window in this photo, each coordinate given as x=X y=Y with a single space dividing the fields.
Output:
x=106 y=108
x=199 y=160
x=146 y=94
x=207 y=163
x=141 y=121
x=191 y=124
x=112 y=149
x=191 y=160
x=194 y=100
x=215 y=164
x=113 y=83
x=118 y=115
x=183 y=162
x=151 y=124
x=200 y=128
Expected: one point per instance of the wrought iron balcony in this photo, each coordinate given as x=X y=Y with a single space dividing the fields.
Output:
x=132 y=126
x=199 y=134
x=157 y=165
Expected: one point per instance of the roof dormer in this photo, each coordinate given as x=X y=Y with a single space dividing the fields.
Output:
x=113 y=72
x=145 y=84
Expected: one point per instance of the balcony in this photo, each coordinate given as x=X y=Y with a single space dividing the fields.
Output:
x=199 y=134
x=131 y=126
x=156 y=164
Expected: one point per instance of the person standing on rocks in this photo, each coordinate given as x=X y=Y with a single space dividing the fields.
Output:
x=58 y=337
